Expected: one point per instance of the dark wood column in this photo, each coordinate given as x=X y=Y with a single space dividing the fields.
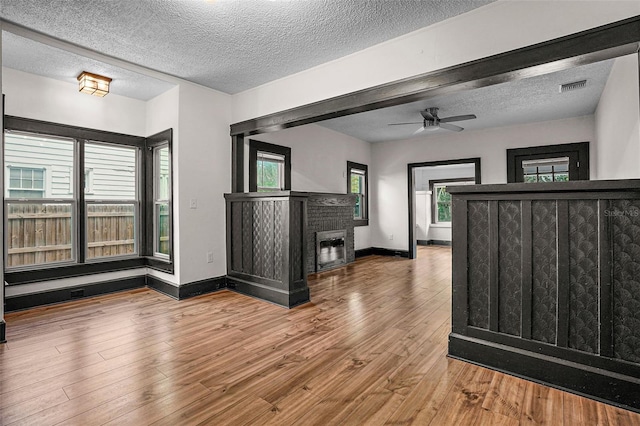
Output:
x=237 y=163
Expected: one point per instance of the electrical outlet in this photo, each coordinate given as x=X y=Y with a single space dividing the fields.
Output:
x=391 y=236
x=209 y=257
x=193 y=203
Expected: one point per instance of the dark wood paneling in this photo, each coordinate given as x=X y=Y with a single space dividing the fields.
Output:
x=459 y=270
x=494 y=267
x=575 y=279
x=606 y=279
x=237 y=163
x=527 y=255
x=562 y=337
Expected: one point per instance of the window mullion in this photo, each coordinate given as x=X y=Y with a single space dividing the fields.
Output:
x=81 y=207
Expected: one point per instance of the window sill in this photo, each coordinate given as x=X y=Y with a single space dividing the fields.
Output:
x=360 y=222
x=75 y=270
x=440 y=225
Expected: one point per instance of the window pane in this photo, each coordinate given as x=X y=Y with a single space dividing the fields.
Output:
x=111 y=171
x=39 y=233
x=562 y=177
x=43 y=164
x=545 y=178
x=444 y=212
x=161 y=173
x=531 y=178
x=111 y=230
x=357 y=212
x=270 y=175
x=162 y=230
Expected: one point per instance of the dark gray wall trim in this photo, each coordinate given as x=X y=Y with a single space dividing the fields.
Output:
x=364 y=252
x=596 y=44
x=3 y=332
x=73 y=270
x=254 y=147
x=197 y=288
x=237 y=163
x=284 y=298
x=26 y=301
x=591 y=382
x=437 y=243
x=163 y=287
x=379 y=251
x=45 y=127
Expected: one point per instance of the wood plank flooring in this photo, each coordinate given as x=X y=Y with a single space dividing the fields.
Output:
x=369 y=350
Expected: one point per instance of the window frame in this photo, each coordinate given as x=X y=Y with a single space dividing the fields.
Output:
x=80 y=265
x=364 y=170
x=439 y=183
x=154 y=259
x=256 y=146
x=46 y=174
x=577 y=152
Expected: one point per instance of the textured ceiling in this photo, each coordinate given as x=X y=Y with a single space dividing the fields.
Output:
x=228 y=45
x=524 y=101
x=36 y=58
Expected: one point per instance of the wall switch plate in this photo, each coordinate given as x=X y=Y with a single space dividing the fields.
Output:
x=209 y=257
x=193 y=203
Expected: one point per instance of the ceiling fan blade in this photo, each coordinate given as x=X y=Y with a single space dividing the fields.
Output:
x=452 y=127
x=427 y=115
x=419 y=130
x=457 y=118
x=402 y=124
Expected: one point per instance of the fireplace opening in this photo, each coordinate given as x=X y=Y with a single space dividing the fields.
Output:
x=330 y=249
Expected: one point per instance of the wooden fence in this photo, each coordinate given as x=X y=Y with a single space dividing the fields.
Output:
x=42 y=233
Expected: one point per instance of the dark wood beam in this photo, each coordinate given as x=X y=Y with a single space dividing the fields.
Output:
x=593 y=45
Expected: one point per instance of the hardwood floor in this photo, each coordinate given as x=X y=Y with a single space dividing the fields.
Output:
x=370 y=349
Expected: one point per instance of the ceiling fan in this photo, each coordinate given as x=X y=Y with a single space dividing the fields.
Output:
x=431 y=121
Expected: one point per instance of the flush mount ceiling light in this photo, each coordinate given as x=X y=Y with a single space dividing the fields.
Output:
x=93 y=84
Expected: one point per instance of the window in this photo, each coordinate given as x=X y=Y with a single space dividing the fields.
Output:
x=441 y=199
x=74 y=201
x=546 y=170
x=159 y=197
x=26 y=182
x=552 y=163
x=357 y=183
x=270 y=172
x=161 y=200
x=111 y=200
x=39 y=222
x=269 y=167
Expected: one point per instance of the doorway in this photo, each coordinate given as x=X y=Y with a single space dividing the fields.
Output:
x=429 y=202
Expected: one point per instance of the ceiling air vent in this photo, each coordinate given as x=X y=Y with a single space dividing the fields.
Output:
x=568 y=87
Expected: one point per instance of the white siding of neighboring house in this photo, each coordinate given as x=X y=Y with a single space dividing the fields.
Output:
x=111 y=169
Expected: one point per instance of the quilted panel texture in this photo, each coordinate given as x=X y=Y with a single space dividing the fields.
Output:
x=544 y=270
x=478 y=258
x=510 y=261
x=583 y=273
x=625 y=224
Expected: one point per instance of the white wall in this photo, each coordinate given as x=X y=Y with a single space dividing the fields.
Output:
x=162 y=114
x=498 y=27
x=319 y=162
x=203 y=156
x=389 y=194
x=40 y=98
x=618 y=123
